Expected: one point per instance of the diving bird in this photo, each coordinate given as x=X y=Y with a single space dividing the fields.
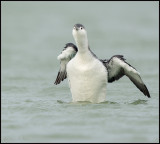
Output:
x=87 y=74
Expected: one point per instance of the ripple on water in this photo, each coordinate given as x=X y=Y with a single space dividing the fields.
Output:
x=139 y=101
x=85 y=102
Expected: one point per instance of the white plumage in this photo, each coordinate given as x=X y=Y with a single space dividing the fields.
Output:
x=88 y=78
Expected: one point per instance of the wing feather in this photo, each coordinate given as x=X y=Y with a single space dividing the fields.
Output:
x=66 y=55
x=117 y=67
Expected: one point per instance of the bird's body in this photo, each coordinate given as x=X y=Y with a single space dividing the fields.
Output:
x=87 y=78
x=88 y=75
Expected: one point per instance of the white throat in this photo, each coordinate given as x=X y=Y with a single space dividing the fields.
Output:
x=81 y=42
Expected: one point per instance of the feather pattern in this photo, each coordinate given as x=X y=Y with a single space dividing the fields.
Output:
x=117 y=67
x=66 y=55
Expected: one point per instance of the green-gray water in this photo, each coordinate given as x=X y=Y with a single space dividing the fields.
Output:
x=35 y=110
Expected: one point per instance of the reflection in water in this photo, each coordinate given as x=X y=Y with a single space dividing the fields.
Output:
x=139 y=101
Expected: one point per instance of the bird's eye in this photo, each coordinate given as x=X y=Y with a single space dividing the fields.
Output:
x=81 y=28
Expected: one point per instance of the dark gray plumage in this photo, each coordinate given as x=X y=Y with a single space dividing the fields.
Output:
x=78 y=26
x=70 y=45
x=116 y=70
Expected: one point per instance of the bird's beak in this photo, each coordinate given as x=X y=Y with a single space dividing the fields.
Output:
x=76 y=28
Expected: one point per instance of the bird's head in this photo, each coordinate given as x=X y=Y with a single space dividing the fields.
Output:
x=80 y=34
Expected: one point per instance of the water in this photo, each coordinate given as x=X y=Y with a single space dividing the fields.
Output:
x=36 y=110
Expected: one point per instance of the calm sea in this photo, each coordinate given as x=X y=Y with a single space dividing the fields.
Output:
x=33 y=109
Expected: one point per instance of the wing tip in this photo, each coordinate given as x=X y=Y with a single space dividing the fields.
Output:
x=146 y=92
x=56 y=83
x=60 y=77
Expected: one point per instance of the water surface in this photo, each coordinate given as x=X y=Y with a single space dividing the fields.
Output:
x=35 y=110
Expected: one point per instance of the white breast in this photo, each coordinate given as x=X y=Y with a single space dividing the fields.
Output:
x=87 y=79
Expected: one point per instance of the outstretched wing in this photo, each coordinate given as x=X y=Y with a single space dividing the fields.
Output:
x=66 y=55
x=117 y=67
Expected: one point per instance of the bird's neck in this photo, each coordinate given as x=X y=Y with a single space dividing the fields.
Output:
x=82 y=44
x=83 y=53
